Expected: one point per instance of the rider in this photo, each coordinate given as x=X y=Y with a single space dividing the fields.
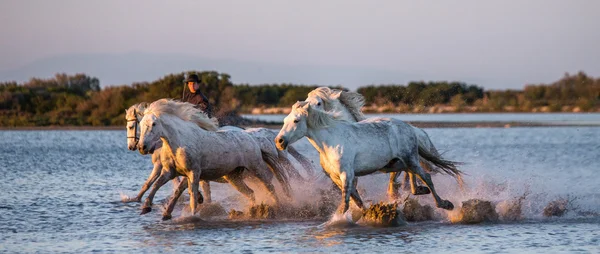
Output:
x=192 y=94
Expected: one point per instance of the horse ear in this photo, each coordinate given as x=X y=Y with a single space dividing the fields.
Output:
x=336 y=95
x=306 y=106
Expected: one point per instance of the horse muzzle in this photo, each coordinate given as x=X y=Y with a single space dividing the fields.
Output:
x=281 y=143
x=145 y=149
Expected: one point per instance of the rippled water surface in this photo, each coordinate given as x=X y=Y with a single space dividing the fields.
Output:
x=61 y=191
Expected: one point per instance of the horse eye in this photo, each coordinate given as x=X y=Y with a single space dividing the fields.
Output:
x=319 y=104
x=153 y=124
x=296 y=121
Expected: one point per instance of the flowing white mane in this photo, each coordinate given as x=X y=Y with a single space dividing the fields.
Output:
x=316 y=118
x=183 y=110
x=352 y=101
x=136 y=111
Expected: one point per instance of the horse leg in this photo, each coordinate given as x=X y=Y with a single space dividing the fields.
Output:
x=393 y=186
x=415 y=188
x=176 y=183
x=151 y=179
x=173 y=201
x=346 y=180
x=206 y=189
x=235 y=179
x=405 y=185
x=200 y=197
x=164 y=177
x=193 y=182
x=426 y=178
x=355 y=196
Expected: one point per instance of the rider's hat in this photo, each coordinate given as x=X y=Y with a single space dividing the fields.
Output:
x=192 y=78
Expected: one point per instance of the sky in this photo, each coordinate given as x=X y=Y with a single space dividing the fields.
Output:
x=495 y=44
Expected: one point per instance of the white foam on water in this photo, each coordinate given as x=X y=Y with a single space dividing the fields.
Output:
x=339 y=221
x=125 y=198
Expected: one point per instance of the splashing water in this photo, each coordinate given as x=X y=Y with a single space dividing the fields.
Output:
x=383 y=215
x=125 y=198
x=510 y=210
x=338 y=220
x=414 y=211
x=42 y=207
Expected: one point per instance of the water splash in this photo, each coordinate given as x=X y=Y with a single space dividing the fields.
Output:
x=127 y=199
x=414 y=211
x=511 y=210
x=559 y=207
x=383 y=215
x=338 y=220
x=475 y=211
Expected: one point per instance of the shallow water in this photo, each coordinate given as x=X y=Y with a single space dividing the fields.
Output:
x=61 y=192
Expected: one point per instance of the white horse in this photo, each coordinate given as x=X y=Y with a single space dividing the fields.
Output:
x=273 y=157
x=265 y=138
x=133 y=115
x=348 y=150
x=202 y=153
x=159 y=175
x=349 y=105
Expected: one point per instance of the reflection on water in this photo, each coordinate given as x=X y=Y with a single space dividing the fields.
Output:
x=60 y=192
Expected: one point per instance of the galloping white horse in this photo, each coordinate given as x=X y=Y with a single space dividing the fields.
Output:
x=133 y=115
x=199 y=153
x=349 y=105
x=159 y=175
x=275 y=158
x=348 y=150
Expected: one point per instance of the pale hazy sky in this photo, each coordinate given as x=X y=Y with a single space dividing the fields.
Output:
x=496 y=44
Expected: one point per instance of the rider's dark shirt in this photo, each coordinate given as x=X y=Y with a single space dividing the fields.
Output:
x=199 y=100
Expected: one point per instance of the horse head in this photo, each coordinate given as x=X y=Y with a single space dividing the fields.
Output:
x=295 y=125
x=150 y=132
x=132 y=117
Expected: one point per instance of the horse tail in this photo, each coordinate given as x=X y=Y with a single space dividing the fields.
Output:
x=279 y=172
x=448 y=167
x=306 y=164
x=283 y=159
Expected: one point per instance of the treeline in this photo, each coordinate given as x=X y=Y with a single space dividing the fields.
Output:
x=421 y=93
x=79 y=99
x=572 y=93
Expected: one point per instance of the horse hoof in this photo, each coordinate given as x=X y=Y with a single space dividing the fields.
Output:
x=166 y=217
x=446 y=205
x=422 y=190
x=146 y=210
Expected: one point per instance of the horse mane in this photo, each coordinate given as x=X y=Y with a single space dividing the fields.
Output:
x=184 y=110
x=136 y=110
x=316 y=118
x=350 y=100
